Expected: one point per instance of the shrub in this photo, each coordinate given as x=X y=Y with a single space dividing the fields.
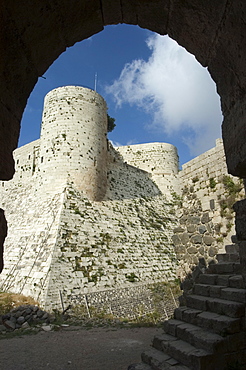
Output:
x=212 y=183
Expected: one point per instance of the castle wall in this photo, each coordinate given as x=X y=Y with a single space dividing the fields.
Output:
x=73 y=140
x=110 y=244
x=159 y=159
x=26 y=160
x=199 y=171
x=126 y=181
x=206 y=217
x=63 y=241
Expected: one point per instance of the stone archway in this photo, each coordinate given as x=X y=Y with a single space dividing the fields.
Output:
x=33 y=35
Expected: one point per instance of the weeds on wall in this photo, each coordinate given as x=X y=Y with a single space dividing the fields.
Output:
x=232 y=190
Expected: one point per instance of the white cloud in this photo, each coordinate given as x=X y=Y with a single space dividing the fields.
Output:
x=176 y=90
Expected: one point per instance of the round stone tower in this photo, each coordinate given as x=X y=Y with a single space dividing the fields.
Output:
x=74 y=140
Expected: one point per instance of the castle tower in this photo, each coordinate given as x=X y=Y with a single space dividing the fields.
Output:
x=73 y=141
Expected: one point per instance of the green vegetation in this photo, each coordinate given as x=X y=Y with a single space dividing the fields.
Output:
x=177 y=199
x=111 y=123
x=131 y=277
x=212 y=183
x=230 y=186
x=232 y=195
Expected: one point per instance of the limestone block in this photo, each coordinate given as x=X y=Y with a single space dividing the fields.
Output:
x=194 y=220
x=208 y=240
x=192 y=250
x=184 y=238
x=191 y=228
x=196 y=239
x=202 y=229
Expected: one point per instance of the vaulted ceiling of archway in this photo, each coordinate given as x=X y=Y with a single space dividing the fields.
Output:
x=34 y=34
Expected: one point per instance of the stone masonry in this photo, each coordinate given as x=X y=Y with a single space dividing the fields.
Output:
x=86 y=217
x=82 y=219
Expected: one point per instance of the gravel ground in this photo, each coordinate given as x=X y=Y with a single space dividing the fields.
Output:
x=76 y=348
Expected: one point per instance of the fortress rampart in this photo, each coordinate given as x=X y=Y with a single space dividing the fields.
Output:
x=86 y=217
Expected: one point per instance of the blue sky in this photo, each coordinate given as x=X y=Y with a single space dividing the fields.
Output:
x=154 y=89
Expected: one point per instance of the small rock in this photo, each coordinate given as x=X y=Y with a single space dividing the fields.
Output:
x=208 y=240
x=184 y=238
x=191 y=228
x=21 y=320
x=46 y=328
x=27 y=317
x=9 y=324
x=194 y=220
x=18 y=314
x=196 y=239
x=25 y=325
x=205 y=218
x=45 y=316
x=40 y=313
x=176 y=240
x=202 y=229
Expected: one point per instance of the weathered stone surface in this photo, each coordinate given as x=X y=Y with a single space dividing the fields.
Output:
x=178 y=229
x=191 y=228
x=194 y=220
x=192 y=250
x=196 y=239
x=183 y=219
x=212 y=251
x=205 y=218
x=202 y=229
x=184 y=238
x=208 y=240
x=176 y=240
x=201 y=250
x=180 y=249
x=9 y=324
x=21 y=320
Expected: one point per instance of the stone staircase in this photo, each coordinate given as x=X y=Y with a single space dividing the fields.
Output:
x=208 y=329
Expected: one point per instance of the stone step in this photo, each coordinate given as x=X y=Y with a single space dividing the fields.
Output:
x=158 y=360
x=184 y=353
x=229 y=280
x=217 y=305
x=232 y=248
x=228 y=257
x=214 y=322
x=141 y=366
x=196 y=336
x=220 y=291
x=225 y=268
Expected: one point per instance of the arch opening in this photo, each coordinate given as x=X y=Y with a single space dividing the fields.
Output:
x=45 y=151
